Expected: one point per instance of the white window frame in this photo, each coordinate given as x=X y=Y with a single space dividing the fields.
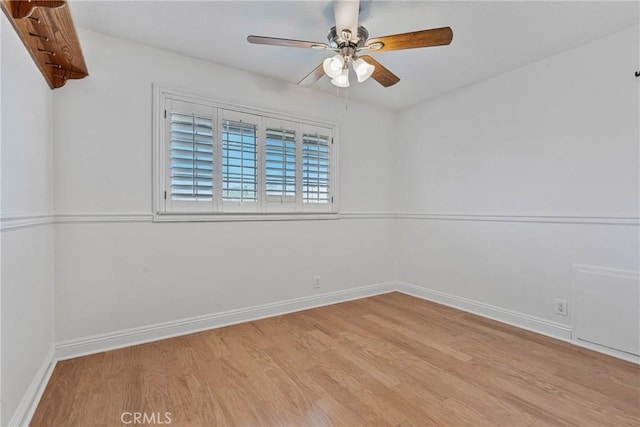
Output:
x=265 y=207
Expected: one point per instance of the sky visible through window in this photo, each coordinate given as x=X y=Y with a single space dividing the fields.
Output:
x=239 y=162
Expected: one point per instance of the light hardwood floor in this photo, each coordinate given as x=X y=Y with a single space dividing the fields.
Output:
x=386 y=360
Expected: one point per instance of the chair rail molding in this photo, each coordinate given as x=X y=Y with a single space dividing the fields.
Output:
x=552 y=219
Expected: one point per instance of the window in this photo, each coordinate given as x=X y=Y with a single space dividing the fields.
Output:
x=212 y=158
x=239 y=154
x=280 y=163
x=191 y=157
x=315 y=168
x=239 y=162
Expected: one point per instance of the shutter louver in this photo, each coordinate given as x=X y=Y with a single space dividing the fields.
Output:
x=239 y=162
x=191 y=157
x=315 y=168
x=280 y=163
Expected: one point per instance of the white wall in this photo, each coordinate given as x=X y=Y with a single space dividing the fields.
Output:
x=552 y=140
x=26 y=279
x=116 y=275
x=557 y=138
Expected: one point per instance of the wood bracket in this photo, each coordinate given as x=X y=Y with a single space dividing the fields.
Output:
x=47 y=31
x=23 y=9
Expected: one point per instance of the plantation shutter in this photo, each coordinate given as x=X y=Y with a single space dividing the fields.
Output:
x=214 y=159
x=190 y=157
x=280 y=165
x=316 y=168
x=239 y=161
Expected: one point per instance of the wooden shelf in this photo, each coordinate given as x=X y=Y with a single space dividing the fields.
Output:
x=46 y=29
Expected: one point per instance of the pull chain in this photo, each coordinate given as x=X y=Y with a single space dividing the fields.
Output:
x=346 y=97
x=346 y=100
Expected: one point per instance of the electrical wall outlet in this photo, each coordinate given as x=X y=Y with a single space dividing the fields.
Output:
x=316 y=282
x=562 y=307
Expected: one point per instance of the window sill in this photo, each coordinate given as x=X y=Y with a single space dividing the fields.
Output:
x=239 y=217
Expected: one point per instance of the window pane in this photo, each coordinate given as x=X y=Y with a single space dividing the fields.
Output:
x=191 y=157
x=315 y=168
x=239 y=162
x=280 y=164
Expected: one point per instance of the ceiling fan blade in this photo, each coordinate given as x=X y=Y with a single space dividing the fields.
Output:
x=382 y=75
x=425 y=38
x=273 y=41
x=312 y=77
x=346 y=15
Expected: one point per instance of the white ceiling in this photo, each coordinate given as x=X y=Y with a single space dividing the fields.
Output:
x=489 y=38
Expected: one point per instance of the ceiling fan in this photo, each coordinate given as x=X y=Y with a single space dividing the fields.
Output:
x=349 y=40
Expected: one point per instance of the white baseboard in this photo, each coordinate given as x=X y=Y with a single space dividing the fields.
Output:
x=134 y=336
x=606 y=350
x=27 y=406
x=125 y=338
x=514 y=318
x=159 y=331
x=520 y=320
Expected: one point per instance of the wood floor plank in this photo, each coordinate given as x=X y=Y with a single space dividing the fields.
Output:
x=391 y=360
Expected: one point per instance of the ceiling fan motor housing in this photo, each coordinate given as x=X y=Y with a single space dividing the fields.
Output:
x=347 y=47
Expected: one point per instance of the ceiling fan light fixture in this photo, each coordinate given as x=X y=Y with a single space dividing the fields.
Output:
x=342 y=80
x=333 y=66
x=363 y=69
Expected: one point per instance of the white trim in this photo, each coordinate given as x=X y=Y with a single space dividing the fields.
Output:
x=159 y=331
x=10 y=223
x=27 y=406
x=607 y=271
x=235 y=217
x=527 y=322
x=606 y=350
x=134 y=336
x=514 y=318
x=23 y=221
x=554 y=219
x=16 y=222
x=368 y=215
x=157 y=142
x=81 y=218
